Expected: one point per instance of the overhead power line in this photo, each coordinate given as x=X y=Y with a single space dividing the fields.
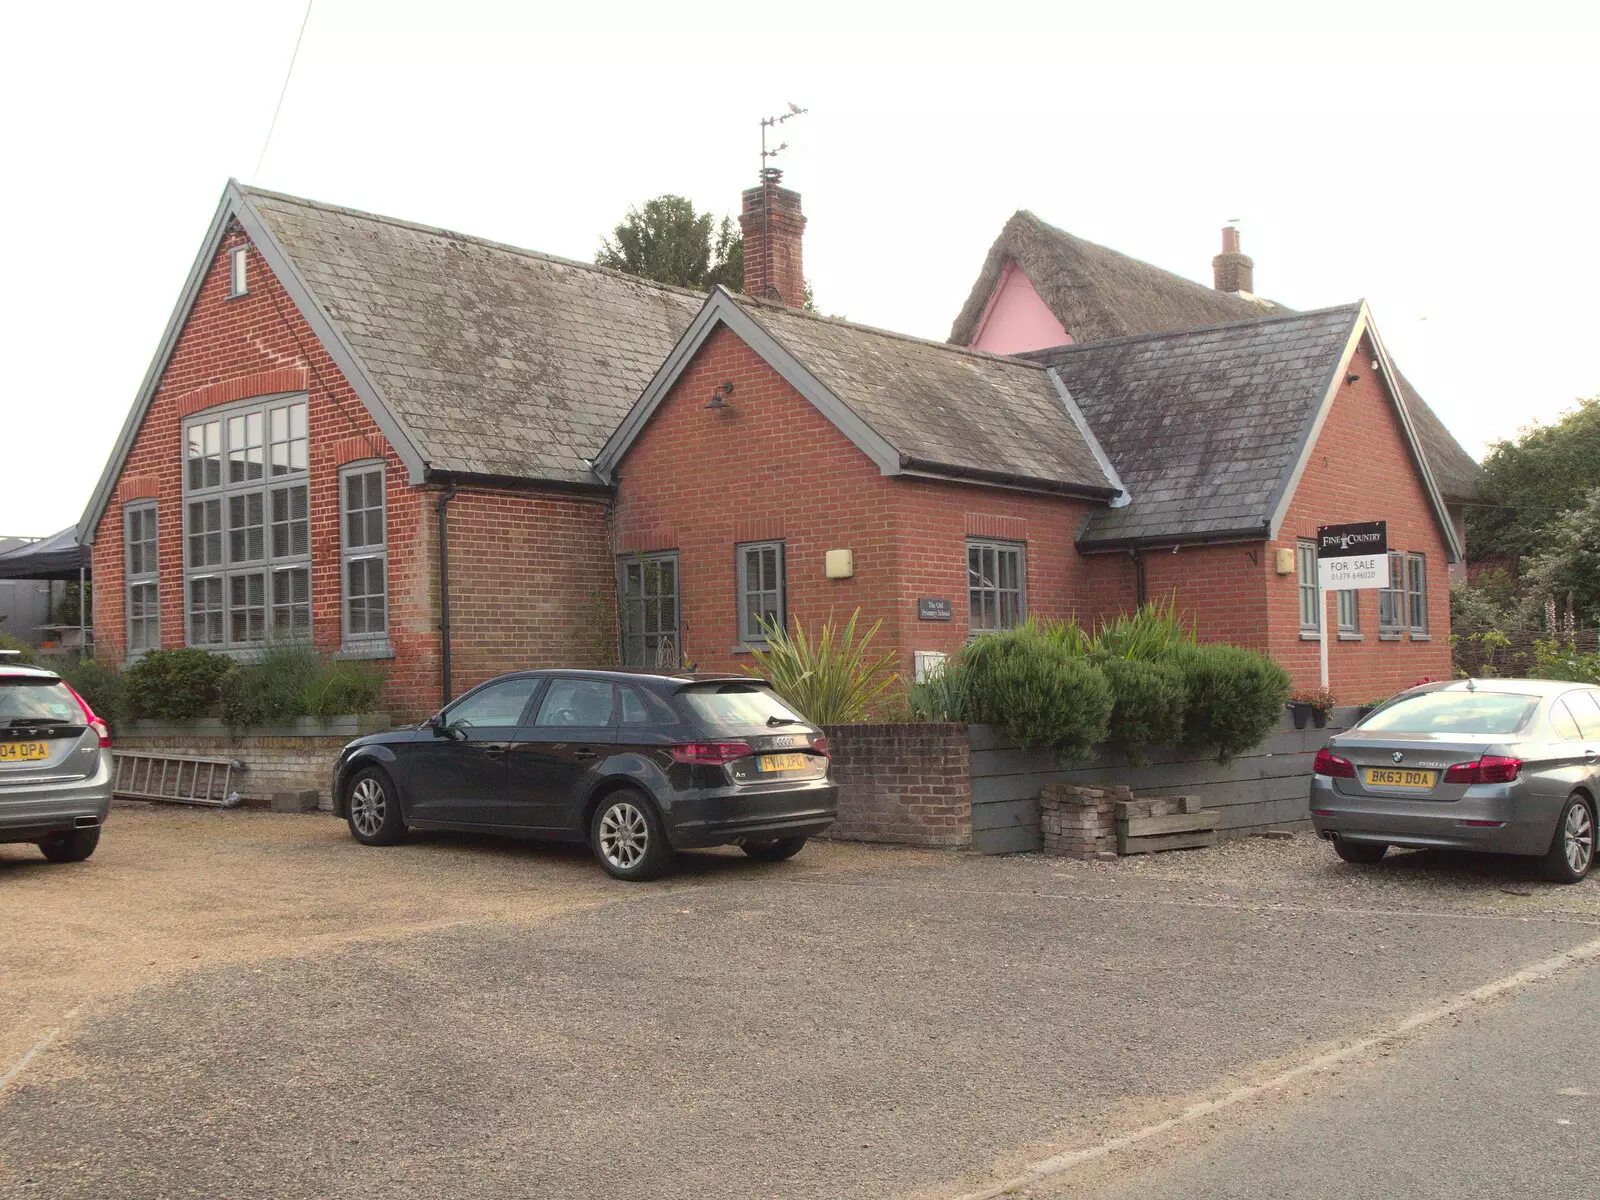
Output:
x=284 y=91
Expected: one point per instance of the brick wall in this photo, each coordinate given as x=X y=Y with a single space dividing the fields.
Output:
x=1361 y=469
x=272 y=764
x=771 y=466
x=531 y=578
x=909 y=784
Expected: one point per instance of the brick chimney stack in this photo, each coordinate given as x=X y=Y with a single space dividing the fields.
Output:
x=1232 y=270
x=772 y=225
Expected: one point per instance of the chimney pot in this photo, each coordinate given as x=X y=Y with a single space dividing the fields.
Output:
x=773 y=224
x=1232 y=270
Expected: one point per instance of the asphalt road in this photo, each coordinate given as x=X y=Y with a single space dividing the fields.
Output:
x=471 y=1018
x=1505 y=1103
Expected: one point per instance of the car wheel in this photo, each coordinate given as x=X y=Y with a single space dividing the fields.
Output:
x=1365 y=853
x=627 y=837
x=774 y=849
x=373 y=809
x=1571 y=852
x=70 y=847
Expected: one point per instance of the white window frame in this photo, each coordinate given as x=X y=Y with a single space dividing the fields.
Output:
x=364 y=552
x=249 y=424
x=1349 y=607
x=980 y=586
x=142 y=576
x=238 y=271
x=742 y=551
x=661 y=646
x=1307 y=595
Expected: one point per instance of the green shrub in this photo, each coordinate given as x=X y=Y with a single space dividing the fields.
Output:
x=1152 y=633
x=25 y=652
x=1032 y=681
x=1558 y=658
x=828 y=680
x=1235 y=697
x=272 y=689
x=175 y=684
x=939 y=697
x=99 y=685
x=345 y=687
x=1151 y=699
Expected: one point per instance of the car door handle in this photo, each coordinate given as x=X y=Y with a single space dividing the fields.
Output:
x=584 y=752
x=493 y=751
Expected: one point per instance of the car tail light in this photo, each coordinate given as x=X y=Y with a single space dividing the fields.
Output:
x=1491 y=768
x=819 y=745
x=94 y=722
x=710 y=754
x=1330 y=764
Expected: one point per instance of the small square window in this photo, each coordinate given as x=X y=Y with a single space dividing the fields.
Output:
x=238 y=264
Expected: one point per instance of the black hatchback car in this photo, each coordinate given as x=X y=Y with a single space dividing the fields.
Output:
x=636 y=765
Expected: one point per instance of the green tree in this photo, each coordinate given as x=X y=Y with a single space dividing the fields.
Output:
x=1569 y=561
x=668 y=241
x=1532 y=481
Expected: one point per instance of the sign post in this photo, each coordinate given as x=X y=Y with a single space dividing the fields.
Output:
x=1349 y=558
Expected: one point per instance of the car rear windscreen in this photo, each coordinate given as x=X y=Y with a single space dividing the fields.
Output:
x=1455 y=712
x=738 y=706
x=25 y=698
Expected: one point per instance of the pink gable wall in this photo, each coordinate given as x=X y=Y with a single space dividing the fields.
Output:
x=1016 y=318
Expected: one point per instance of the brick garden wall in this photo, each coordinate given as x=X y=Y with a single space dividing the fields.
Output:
x=272 y=763
x=909 y=784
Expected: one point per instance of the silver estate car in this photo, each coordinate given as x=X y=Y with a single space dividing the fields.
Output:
x=55 y=765
x=1508 y=766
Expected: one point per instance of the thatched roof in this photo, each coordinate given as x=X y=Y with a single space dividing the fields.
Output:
x=1098 y=293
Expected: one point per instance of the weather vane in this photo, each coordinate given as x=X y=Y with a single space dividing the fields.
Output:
x=768 y=122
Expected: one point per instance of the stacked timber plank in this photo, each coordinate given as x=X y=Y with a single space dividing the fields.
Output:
x=1153 y=823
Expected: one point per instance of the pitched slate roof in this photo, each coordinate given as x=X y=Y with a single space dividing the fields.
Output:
x=1203 y=425
x=952 y=410
x=915 y=407
x=498 y=361
x=1096 y=293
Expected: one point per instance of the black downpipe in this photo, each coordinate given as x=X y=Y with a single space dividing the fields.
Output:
x=444 y=594
x=1138 y=577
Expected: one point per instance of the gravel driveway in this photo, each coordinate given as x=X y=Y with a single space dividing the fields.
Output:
x=248 y=1005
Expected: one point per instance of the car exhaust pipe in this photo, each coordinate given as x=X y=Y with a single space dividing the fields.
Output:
x=1329 y=835
x=85 y=822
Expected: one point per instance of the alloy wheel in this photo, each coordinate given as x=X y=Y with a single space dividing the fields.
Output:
x=624 y=836
x=1579 y=838
x=367 y=805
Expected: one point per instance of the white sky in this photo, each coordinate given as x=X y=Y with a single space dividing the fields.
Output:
x=1438 y=160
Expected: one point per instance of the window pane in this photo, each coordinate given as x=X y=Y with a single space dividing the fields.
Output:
x=291 y=603
x=213 y=457
x=205 y=611
x=575 y=702
x=633 y=710
x=498 y=705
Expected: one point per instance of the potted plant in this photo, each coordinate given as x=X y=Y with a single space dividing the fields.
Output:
x=1311 y=704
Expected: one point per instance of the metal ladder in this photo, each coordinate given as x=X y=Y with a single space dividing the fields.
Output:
x=177 y=778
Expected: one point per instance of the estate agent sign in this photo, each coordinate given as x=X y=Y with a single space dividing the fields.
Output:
x=1353 y=556
x=1349 y=557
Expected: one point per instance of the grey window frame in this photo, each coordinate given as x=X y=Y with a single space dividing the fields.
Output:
x=1392 y=624
x=667 y=647
x=981 y=589
x=142 y=573
x=742 y=552
x=1416 y=613
x=1305 y=564
x=239 y=271
x=365 y=552
x=234 y=421
x=1349 y=613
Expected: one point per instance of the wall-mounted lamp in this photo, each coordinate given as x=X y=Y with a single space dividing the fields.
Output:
x=1352 y=377
x=719 y=398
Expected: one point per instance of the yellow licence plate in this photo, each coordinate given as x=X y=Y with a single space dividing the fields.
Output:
x=781 y=762
x=23 y=751
x=1397 y=778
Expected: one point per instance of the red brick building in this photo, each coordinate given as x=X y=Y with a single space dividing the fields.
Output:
x=461 y=458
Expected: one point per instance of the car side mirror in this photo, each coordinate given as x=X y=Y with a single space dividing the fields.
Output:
x=436 y=723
